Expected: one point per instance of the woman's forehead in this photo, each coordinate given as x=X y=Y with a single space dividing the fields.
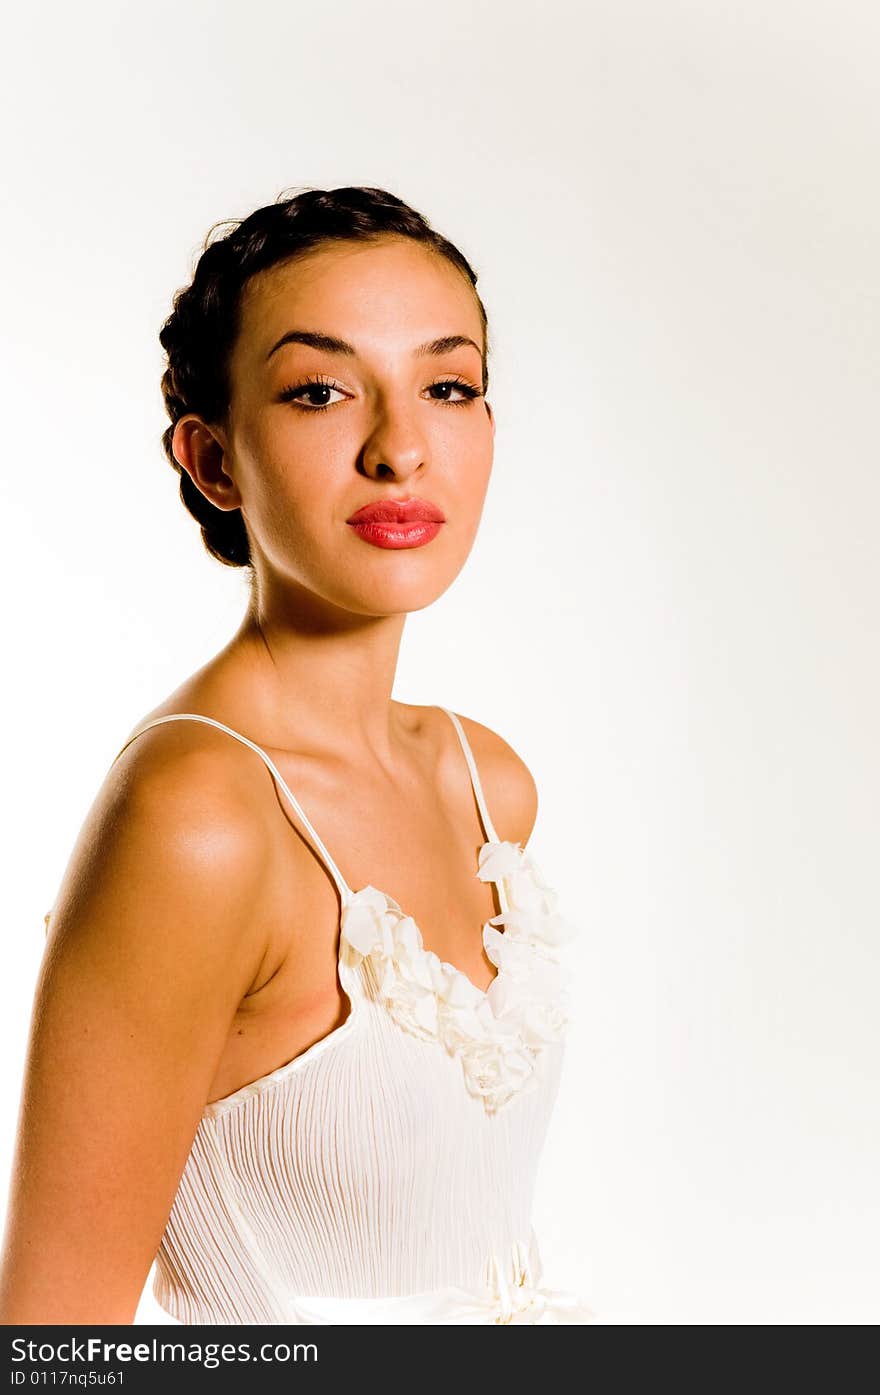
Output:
x=396 y=292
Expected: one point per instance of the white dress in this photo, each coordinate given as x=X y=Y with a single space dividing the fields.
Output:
x=386 y=1174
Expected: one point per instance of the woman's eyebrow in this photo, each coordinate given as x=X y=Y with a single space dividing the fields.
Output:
x=314 y=339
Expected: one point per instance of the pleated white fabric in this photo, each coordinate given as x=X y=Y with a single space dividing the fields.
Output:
x=386 y=1174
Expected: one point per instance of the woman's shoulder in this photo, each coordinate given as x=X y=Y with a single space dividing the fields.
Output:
x=169 y=860
x=184 y=770
x=178 y=746
x=509 y=786
x=178 y=790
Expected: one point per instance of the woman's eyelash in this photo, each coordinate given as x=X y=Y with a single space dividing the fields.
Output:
x=289 y=394
x=469 y=391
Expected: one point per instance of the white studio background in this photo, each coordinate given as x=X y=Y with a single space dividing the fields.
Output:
x=672 y=607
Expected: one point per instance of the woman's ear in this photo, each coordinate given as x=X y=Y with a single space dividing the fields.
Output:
x=200 y=450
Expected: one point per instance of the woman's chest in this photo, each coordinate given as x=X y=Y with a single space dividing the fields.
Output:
x=299 y=998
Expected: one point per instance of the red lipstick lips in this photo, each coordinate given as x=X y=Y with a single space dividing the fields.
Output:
x=396 y=523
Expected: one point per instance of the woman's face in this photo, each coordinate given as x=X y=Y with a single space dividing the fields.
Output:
x=316 y=431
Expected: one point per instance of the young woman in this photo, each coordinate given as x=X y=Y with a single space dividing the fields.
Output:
x=299 y=1023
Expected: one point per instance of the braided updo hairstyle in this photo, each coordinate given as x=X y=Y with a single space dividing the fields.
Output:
x=200 y=333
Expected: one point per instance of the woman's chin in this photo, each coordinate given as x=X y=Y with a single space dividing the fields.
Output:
x=398 y=595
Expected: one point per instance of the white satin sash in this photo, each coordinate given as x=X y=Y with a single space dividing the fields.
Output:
x=503 y=1299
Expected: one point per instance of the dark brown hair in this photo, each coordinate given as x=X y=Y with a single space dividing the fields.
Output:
x=199 y=334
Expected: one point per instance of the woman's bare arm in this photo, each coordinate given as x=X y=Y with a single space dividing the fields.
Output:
x=153 y=943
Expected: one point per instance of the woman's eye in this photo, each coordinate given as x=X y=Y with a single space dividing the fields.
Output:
x=448 y=385
x=311 y=390
x=313 y=395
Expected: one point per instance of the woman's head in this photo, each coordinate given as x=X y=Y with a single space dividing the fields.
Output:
x=330 y=352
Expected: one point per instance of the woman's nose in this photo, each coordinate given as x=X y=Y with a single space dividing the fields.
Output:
x=396 y=446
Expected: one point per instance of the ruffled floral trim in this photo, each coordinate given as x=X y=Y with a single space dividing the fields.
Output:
x=498 y=1034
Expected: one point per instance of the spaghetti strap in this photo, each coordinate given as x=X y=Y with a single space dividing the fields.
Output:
x=342 y=886
x=475 y=777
